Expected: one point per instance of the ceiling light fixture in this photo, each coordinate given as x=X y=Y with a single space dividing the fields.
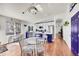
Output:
x=34 y=9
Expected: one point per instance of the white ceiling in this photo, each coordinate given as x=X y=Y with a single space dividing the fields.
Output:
x=15 y=10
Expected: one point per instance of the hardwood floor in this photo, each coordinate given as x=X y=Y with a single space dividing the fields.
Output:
x=57 y=48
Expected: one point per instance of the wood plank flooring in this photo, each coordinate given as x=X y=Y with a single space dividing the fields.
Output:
x=56 y=48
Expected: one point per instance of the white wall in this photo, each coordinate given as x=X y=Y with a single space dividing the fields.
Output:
x=3 y=38
x=66 y=29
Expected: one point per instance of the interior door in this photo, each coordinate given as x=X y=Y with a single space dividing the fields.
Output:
x=74 y=34
x=78 y=32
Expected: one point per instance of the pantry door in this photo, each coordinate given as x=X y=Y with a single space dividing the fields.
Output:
x=74 y=33
x=78 y=33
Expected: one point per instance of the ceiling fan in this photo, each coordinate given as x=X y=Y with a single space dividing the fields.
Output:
x=34 y=9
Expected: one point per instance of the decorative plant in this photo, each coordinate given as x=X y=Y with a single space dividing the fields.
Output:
x=66 y=23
